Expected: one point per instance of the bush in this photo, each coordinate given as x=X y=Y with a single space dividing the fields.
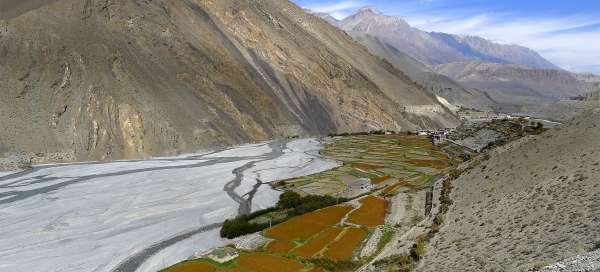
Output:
x=418 y=250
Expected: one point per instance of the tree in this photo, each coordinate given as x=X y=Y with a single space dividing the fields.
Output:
x=289 y=200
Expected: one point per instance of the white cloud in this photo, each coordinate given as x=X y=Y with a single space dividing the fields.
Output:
x=338 y=7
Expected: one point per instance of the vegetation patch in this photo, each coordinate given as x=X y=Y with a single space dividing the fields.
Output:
x=371 y=213
x=318 y=243
x=367 y=166
x=277 y=246
x=343 y=248
x=307 y=225
x=268 y=263
x=379 y=180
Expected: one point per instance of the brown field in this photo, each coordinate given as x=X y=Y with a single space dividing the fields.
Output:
x=279 y=247
x=318 y=243
x=344 y=247
x=304 y=226
x=367 y=166
x=380 y=180
x=192 y=266
x=230 y=270
x=267 y=263
x=437 y=164
x=371 y=213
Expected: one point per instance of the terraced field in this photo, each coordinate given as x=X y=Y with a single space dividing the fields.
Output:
x=372 y=162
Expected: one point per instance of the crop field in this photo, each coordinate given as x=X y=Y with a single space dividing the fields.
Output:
x=257 y=262
x=318 y=243
x=371 y=213
x=381 y=159
x=303 y=227
x=277 y=246
x=343 y=248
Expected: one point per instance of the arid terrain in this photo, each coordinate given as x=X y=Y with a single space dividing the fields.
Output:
x=533 y=203
x=262 y=136
x=102 y=80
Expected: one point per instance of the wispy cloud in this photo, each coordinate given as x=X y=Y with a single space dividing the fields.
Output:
x=339 y=9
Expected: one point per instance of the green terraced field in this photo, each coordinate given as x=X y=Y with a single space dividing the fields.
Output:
x=366 y=158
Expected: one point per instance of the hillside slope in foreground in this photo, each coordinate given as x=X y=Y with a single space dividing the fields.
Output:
x=535 y=202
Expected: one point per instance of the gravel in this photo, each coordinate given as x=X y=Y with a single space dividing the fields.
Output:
x=582 y=263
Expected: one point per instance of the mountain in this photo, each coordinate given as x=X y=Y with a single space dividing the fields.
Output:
x=434 y=48
x=534 y=202
x=97 y=79
x=519 y=84
x=440 y=85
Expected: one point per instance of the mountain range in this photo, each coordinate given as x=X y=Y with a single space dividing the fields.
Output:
x=119 y=79
x=434 y=48
x=509 y=76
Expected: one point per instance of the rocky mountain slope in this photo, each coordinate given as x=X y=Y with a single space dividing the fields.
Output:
x=438 y=84
x=113 y=79
x=519 y=84
x=533 y=203
x=434 y=48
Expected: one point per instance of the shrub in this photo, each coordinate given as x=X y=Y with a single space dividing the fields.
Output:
x=596 y=245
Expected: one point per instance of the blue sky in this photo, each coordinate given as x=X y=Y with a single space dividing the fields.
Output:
x=566 y=32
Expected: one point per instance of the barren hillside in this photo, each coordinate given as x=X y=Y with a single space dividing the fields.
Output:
x=127 y=79
x=535 y=202
x=518 y=84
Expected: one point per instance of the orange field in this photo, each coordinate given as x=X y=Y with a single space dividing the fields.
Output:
x=380 y=179
x=267 y=263
x=344 y=247
x=192 y=267
x=367 y=166
x=304 y=226
x=230 y=270
x=279 y=247
x=318 y=243
x=371 y=213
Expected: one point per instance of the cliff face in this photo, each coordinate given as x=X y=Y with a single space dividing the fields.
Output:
x=113 y=79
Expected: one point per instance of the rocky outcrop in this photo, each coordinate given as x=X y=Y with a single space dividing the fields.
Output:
x=113 y=79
